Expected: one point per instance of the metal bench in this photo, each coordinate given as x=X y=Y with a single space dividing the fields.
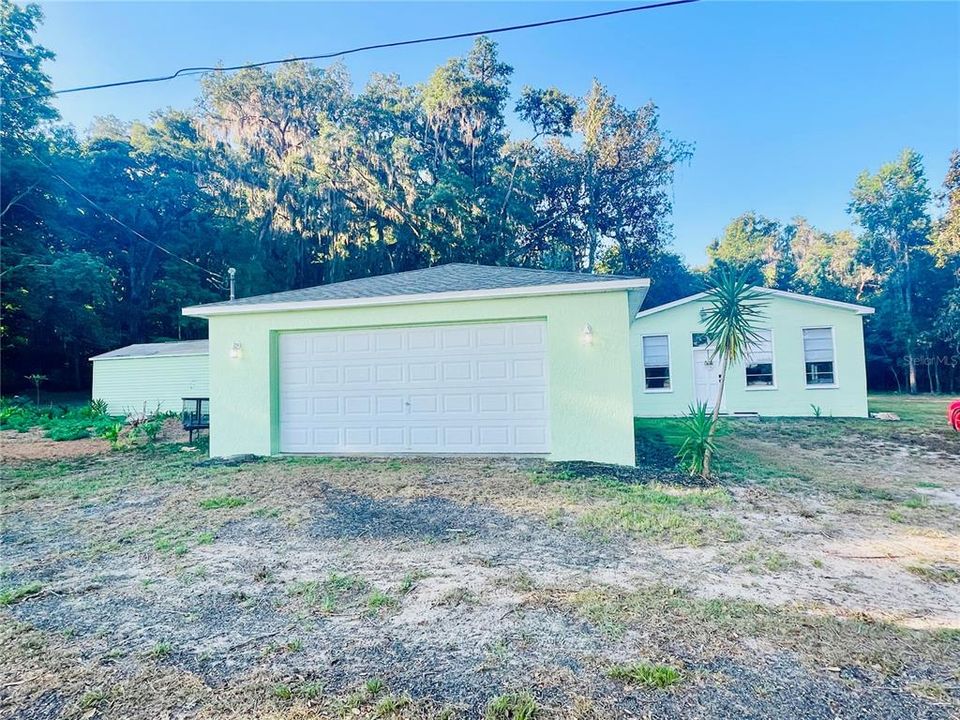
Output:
x=195 y=415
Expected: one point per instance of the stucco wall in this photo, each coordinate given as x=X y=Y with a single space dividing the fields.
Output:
x=786 y=317
x=131 y=384
x=590 y=385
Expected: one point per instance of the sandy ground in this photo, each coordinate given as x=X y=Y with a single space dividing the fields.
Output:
x=455 y=581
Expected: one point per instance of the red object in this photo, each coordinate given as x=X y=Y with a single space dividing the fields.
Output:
x=953 y=414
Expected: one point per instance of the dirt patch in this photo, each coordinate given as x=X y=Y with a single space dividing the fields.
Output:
x=278 y=588
x=17 y=447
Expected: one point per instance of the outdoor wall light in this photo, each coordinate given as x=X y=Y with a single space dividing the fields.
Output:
x=236 y=351
x=586 y=337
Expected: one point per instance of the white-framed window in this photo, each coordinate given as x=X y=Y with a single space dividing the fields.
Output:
x=818 y=360
x=656 y=363
x=758 y=362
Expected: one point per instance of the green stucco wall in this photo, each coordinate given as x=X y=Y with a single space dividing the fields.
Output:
x=786 y=317
x=130 y=385
x=590 y=385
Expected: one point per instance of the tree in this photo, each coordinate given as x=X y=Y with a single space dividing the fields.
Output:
x=891 y=208
x=733 y=307
x=945 y=239
x=608 y=188
x=754 y=244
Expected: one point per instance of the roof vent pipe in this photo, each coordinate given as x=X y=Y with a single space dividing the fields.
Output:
x=232 y=272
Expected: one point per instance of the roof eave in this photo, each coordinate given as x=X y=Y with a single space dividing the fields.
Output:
x=108 y=356
x=207 y=311
x=857 y=309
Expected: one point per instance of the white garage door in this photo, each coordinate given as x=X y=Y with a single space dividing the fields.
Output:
x=444 y=389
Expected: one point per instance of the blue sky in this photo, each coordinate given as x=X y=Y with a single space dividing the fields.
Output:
x=786 y=102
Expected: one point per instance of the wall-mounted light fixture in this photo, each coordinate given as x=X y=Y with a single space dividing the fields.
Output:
x=236 y=350
x=586 y=336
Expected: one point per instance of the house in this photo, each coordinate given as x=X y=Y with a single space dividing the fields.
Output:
x=471 y=359
x=809 y=360
x=151 y=376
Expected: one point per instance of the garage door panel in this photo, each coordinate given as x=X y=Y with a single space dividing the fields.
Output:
x=479 y=388
x=528 y=368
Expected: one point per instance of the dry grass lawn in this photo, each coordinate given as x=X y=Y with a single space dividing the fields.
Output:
x=819 y=578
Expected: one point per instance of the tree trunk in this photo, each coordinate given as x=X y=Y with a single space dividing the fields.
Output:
x=896 y=376
x=708 y=455
x=908 y=305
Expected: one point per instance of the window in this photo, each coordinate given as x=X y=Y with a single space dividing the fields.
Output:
x=818 y=356
x=700 y=340
x=759 y=360
x=656 y=362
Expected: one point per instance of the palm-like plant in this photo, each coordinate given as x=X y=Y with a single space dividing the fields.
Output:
x=698 y=438
x=733 y=308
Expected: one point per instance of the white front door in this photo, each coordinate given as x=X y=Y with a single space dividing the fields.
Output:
x=473 y=388
x=706 y=372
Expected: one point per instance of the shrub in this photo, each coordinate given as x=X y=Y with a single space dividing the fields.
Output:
x=67 y=430
x=697 y=440
x=113 y=434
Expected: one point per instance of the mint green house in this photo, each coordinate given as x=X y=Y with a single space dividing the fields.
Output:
x=469 y=359
x=149 y=377
x=809 y=360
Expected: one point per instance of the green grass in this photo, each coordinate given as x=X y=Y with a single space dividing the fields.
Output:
x=282 y=692
x=390 y=705
x=10 y=596
x=161 y=650
x=926 y=412
x=721 y=624
x=644 y=674
x=379 y=601
x=325 y=595
x=223 y=501
x=936 y=573
x=689 y=516
x=512 y=706
x=91 y=699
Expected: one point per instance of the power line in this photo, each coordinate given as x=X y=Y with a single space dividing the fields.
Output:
x=365 y=48
x=122 y=224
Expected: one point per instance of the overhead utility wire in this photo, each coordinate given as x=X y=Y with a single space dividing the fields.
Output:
x=380 y=46
x=122 y=224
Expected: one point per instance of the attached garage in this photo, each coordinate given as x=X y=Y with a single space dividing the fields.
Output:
x=474 y=388
x=151 y=376
x=465 y=359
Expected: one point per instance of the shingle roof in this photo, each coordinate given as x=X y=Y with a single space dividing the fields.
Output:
x=184 y=347
x=454 y=277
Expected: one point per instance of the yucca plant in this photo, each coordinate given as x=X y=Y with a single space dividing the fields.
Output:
x=698 y=438
x=734 y=307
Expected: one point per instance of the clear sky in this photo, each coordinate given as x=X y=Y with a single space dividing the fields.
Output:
x=786 y=101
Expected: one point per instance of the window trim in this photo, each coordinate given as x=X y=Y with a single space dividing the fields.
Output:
x=773 y=355
x=833 y=342
x=643 y=364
